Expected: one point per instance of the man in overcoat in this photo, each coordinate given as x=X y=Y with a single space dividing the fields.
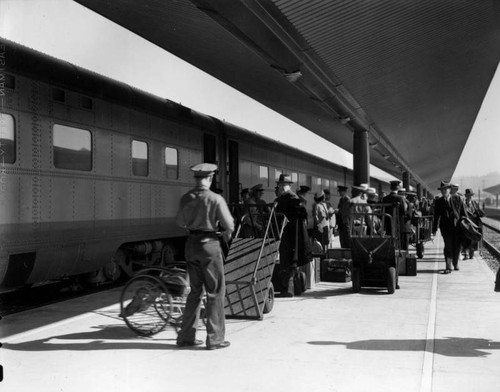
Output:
x=396 y=201
x=295 y=247
x=447 y=213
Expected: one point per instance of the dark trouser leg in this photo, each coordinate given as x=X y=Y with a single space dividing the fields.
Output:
x=448 y=249
x=344 y=236
x=215 y=287
x=456 y=244
x=193 y=303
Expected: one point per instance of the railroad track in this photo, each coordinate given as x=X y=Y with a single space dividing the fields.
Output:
x=491 y=236
x=29 y=298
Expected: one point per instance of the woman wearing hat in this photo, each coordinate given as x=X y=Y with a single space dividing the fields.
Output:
x=321 y=231
x=475 y=213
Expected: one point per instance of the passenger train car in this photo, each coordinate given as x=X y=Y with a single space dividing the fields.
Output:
x=92 y=170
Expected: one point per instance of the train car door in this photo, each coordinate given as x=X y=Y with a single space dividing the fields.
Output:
x=210 y=155
x=234 y=171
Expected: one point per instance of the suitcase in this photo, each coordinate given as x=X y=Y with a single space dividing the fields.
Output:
x=336 y=270
x=411 y=265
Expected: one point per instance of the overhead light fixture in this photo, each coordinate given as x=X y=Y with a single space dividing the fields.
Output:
x=292 y=77
x=373 y=145
x=344 y=120
x=387 y=156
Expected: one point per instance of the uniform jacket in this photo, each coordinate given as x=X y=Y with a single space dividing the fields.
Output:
x=343 y=213
x=397 y=201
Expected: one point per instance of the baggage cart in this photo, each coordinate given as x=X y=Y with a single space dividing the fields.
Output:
x=374 y=232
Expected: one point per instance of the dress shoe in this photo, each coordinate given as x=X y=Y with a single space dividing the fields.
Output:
x=218 y=346
x=456 y=268
x=195 y=342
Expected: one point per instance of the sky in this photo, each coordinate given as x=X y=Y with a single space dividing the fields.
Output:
x=69 y=31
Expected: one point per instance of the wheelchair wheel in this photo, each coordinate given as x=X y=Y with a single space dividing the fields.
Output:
x=177 y=283
x=146 y=305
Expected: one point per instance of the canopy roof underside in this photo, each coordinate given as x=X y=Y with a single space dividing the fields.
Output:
x=411 y=73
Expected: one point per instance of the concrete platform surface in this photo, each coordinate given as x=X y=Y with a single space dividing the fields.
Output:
x=437 y=333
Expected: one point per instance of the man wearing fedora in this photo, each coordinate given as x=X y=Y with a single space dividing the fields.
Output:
x=447 y=214
x=295 y=247
x=475 y=213
x=302 y=192
x=398 y=202
x=342 y=216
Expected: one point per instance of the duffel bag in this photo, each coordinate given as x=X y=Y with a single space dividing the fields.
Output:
x=469 y=229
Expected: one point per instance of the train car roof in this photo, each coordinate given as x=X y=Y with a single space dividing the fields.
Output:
x=30 y=62
x=414 y=74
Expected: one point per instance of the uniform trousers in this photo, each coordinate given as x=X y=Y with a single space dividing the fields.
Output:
x=452 y=243
x=205 y=268
x=344 y=236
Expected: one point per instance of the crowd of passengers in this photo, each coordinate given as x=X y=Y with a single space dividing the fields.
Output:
x=359 y=212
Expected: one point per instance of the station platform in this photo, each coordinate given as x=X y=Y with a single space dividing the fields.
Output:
x=437 y=333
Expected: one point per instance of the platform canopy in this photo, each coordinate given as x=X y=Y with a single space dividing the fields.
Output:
x=494 y=190
x=411 y=73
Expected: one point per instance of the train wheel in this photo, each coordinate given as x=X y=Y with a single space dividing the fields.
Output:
x=268 y=305
x=167 y=255
x=125 y=263
x=112 y=271
x=356 y=280
x=391 y=280
x=420 y=250
x=146 y=305
x=96 y=277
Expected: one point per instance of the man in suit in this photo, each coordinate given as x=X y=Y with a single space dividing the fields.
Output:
x=447 y=213
x=397 y=202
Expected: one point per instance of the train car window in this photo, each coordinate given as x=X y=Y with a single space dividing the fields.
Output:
x=318 y=181
x=86 y=103
x=7 y=138
x=140 y=161
x=58 y=95
x=302 y=179
x=172 y=163
x=277 y=173
x=72 y=148
x=327 y=184
x=295 y=177
x=264 y=175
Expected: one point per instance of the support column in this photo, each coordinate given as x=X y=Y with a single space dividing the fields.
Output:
x=406 y=180
x=361 y=158
x=419 y=191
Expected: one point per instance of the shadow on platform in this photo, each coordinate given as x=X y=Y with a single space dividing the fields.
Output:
x=449 y=347
x=326 y=293
x=104 y=337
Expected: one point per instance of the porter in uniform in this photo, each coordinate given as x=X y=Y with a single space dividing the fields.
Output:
x=342 y=213
x=201 y=212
